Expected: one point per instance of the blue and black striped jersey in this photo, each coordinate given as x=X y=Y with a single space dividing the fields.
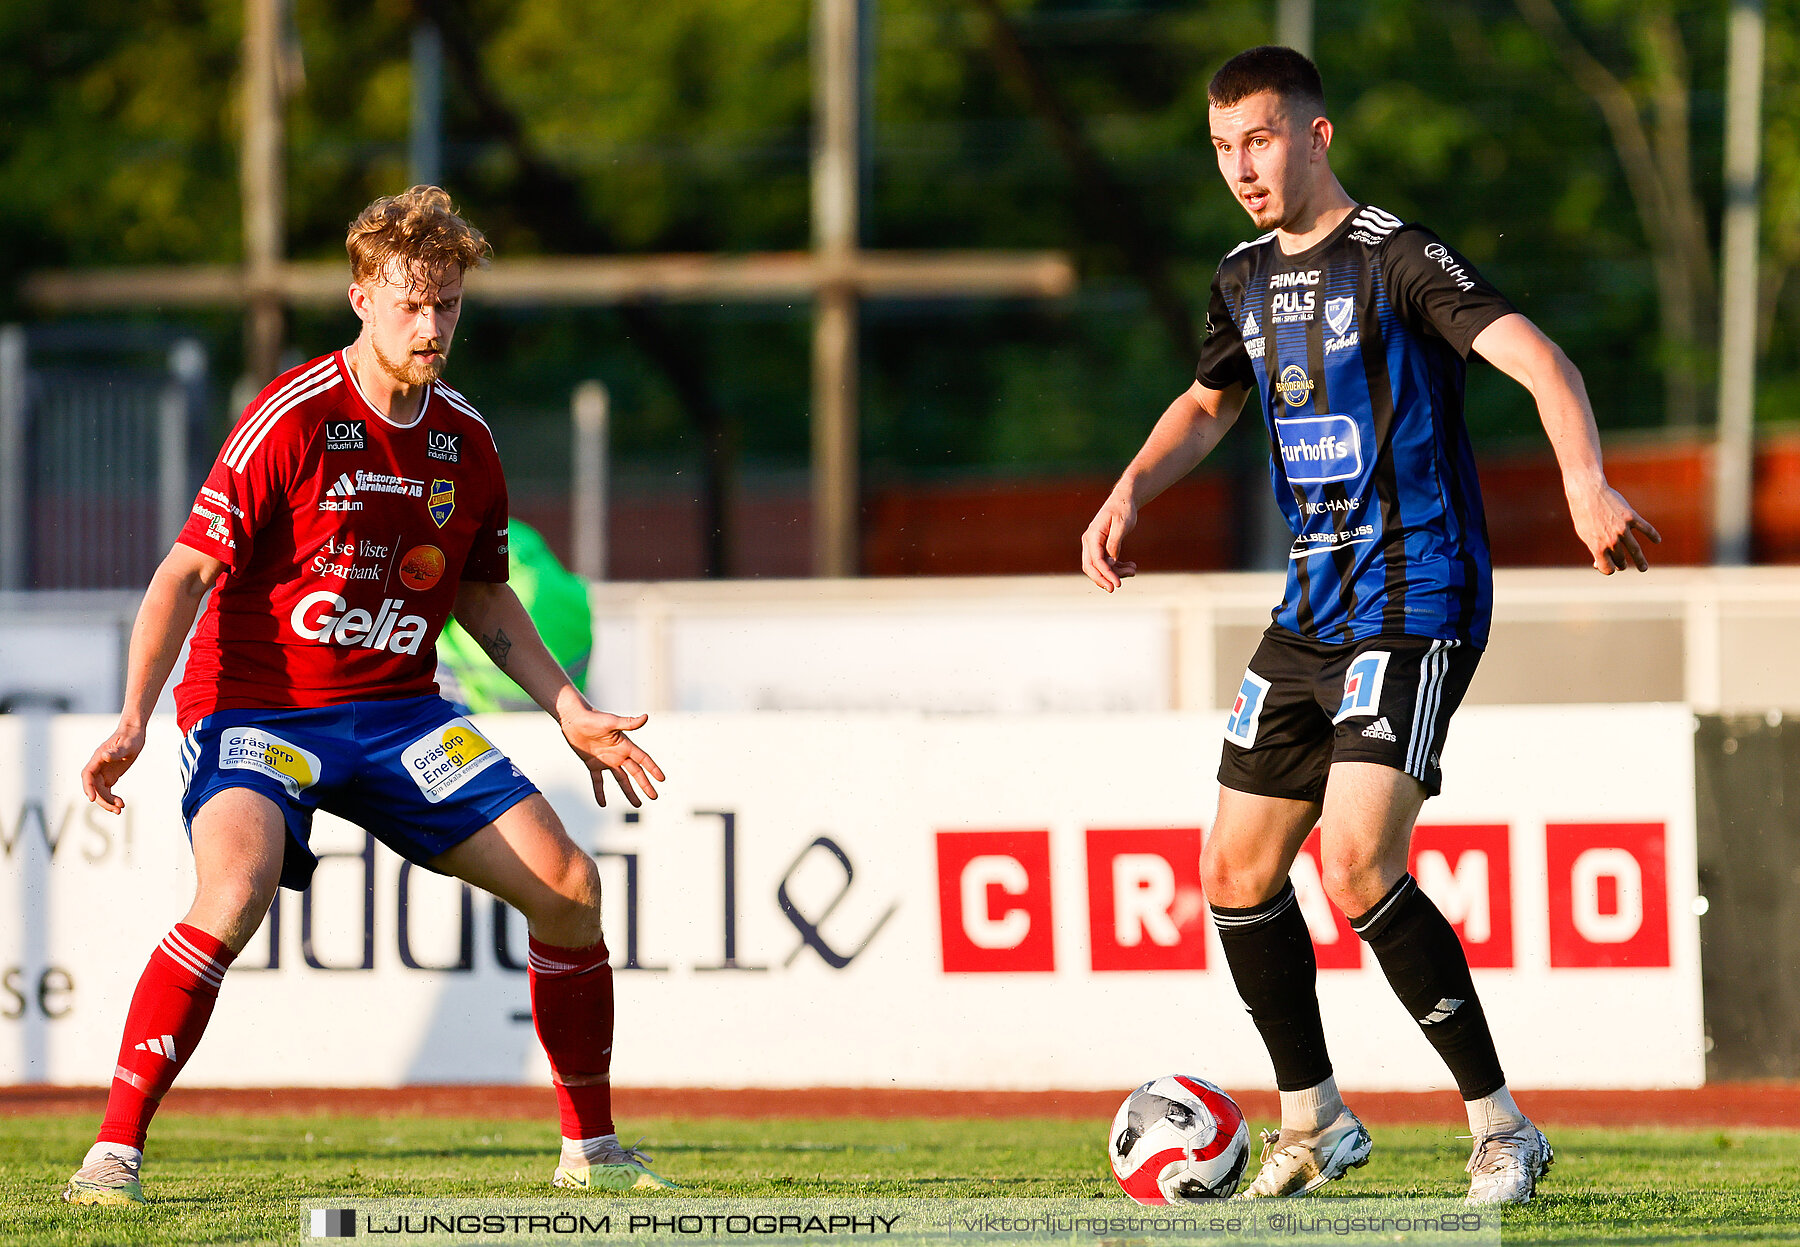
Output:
x=1358 y=346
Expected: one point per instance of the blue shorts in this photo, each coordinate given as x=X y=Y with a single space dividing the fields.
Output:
x=413 y=772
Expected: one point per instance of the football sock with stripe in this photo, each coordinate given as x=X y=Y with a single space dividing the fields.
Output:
x=1271 y=957
x=168 y=1014
x=1428 y=970
x=572 y=1007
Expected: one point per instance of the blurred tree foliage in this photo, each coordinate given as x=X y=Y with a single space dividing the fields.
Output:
x=683 y=125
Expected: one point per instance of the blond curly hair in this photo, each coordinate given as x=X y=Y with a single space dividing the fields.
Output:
x=419 y=228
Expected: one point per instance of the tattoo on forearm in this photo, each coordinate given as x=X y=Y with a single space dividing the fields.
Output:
x=497 y=646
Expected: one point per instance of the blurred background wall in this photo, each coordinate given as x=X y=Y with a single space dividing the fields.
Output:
x=1572 y=149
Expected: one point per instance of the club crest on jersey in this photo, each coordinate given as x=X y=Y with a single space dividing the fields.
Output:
x=346 y=435
x=1246 y=711
x=1339 y=311
x=442 y=446
x=443 y=760
x=442 y=501
x=1362 y=685
x=253 y=749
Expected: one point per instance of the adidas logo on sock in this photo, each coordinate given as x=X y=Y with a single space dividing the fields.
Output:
x=163 y=1046
x=1380 y=730
x=343 y=488
x=1442 y=1012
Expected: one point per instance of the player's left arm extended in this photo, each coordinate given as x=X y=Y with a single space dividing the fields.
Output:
x=502 y=627
x=1604 y=521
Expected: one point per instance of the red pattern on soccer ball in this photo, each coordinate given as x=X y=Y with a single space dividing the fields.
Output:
x=1227 y=1119
x=1141 y=1183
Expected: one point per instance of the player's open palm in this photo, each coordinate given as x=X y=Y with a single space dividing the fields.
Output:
x=1100 y=544
x=111 y=760
x=599 y=740
x=1609 y=527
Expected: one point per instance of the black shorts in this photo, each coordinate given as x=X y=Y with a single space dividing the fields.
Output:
x=1305 y=704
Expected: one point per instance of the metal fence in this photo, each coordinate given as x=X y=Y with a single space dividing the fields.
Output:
x=98 y=428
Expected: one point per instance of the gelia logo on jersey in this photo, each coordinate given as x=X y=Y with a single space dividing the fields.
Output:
x=1317 y=450
x=253 y=749
x=322 y=616
x=448 y=757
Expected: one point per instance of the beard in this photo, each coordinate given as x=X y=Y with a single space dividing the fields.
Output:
x=413 y=371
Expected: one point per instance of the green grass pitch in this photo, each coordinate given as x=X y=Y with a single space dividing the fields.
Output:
x=241 y=1178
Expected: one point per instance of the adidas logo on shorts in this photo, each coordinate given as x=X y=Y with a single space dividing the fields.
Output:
x=1380 y=730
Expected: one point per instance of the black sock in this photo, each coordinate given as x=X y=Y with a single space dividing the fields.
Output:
x=1427 y=968
x=1271 y=957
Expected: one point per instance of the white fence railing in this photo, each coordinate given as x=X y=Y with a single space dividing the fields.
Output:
x=1714 y=639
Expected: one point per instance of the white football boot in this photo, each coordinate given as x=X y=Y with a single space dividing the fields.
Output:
x=1299 y=1164
x=109 y=1179
x=1506 y=1167
x=616 y=1168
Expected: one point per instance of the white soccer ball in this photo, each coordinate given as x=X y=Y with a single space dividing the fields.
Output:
x=1178 y=1139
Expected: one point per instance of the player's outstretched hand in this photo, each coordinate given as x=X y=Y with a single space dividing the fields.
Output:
x=1608 y=525
x=1100 y=544
x=111 y=760
x=599 y=740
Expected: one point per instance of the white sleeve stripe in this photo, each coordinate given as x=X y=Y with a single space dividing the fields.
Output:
x=462 y=404
x=1385 y=218
x=243 y=455
x=243 y=431
x=239 y=453
x=245 y=427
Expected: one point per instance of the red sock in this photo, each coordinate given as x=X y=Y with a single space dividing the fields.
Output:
x=174 y=998
x=572 y=1006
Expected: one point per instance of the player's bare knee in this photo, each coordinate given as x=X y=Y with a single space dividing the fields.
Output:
x=569 y=912
x=1235 y=881
x=1353 y=882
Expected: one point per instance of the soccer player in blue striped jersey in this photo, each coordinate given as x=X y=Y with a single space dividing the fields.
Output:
x=1355 y=326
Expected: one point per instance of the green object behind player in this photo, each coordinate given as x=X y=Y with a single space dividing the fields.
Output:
x=558 y=603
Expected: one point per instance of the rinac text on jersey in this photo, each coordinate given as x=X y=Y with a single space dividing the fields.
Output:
x=344 y=538
x=1358 y=345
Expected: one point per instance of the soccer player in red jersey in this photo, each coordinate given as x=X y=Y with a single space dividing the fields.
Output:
x=356 y=505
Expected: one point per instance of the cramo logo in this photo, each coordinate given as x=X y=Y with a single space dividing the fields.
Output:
x=321 y=617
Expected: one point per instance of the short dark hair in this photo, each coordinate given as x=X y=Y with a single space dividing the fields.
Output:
x=1289 y=74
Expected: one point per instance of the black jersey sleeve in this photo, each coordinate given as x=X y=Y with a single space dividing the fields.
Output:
x=1438 y=291
x=1223 y=360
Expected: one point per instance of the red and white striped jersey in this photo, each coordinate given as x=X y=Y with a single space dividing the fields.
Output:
x=344 y=537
